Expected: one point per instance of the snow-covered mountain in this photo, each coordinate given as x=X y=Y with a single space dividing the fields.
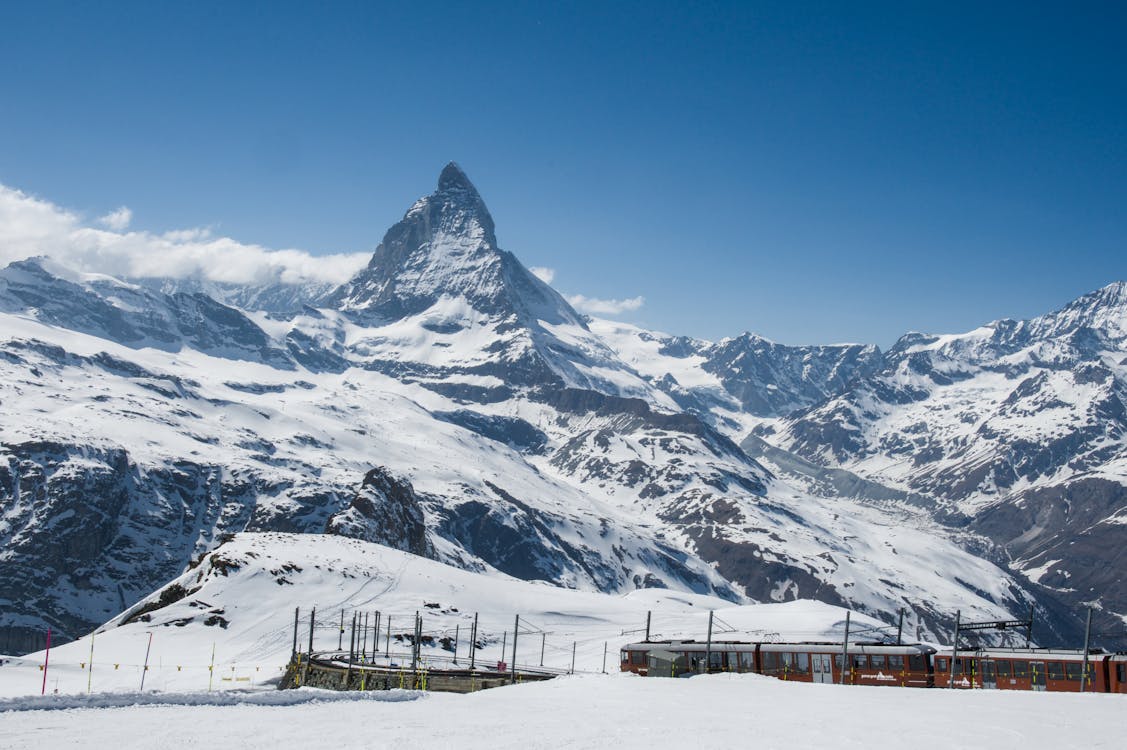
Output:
x=1016 y=431
x=445 y=402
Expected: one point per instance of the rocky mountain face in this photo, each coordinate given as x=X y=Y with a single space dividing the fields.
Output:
x=444 y=401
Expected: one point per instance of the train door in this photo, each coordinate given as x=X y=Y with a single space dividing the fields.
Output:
x=987 y=674
x=822 y=667
x=1037 y=675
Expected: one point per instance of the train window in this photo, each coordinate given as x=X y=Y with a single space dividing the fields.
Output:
x=1054 y=670
x=860 y=661
x=625 y=656
x=770 y=661
x=837 y=661
x=941 y=664
x=958 y=666
x=637 y=657
x=802 y=663
x=715 y=660
x=896 y=662
x=747 y=661
x=1121 y=672
x=876 y=661
x=916 y=663
x=1021 y=669
x=1072 y=670
x=1002 y=667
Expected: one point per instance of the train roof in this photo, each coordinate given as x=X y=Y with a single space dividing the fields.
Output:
x=815 y=646
x=1034 y=654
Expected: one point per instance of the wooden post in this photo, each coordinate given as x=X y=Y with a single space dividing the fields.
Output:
x=845 y=650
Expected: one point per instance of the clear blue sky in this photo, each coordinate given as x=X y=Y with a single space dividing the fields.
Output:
x=812 y=172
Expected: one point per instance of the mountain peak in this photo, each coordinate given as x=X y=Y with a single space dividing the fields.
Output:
x=453 y=178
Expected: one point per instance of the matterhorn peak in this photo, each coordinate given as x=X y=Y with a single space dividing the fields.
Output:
x=454 y=178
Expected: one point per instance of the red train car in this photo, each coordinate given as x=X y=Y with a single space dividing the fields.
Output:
x=1054 y=670
x=867 y=664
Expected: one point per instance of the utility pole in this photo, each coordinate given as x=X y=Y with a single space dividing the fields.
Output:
x=573 y=645
x=456 y=633
x=707 y=646
x=543 y=642
x=340 y=635
x=364 y=639
x=351 y=651
x=473 y=642
x=1087 y=640
x=415 y=645
x=900 y=628
x=604 y=657
x=387 y=643
x=954 y=650
x=845 y=649
x=649 y=614
x=312 y=620
x=376 y=637
x=513 y=668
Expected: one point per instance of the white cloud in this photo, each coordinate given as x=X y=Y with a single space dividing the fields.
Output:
x=118 y=219
x=31 y=226
x=593 y=306
x=544 y=274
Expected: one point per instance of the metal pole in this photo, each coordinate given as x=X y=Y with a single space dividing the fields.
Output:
x=456 y=634
x=340 y=635
x=415 y=645
x=376 y=637
x=312 y=619
x=296 y=612
x=1029 y=629
x=211 y=669
x=543 y=642
x=1087 y=640
x=351 y=652
x=954 y=650
x=144 y=669
x=473 y=642
x=573 y=645
x=47 y=659
x=387 y=643
x=649 y=614
x=504 y=644
x=707 y=646
x=604 y=657
x=845 y=649
x=516 y=631
x=364 y=648
x=90 y=671
x=900 y=628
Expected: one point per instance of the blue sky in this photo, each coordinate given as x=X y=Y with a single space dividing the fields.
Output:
x=812 y=172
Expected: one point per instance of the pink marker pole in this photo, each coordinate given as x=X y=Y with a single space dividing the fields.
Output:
x=46 y=659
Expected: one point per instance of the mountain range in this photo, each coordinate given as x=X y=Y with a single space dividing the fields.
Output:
x=448 y=403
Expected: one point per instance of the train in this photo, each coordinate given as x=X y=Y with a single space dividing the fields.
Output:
x=894 y=665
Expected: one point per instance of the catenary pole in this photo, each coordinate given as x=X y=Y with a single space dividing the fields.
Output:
x=473 y=642
x=649 y=614
x=340 y=633
x=543 y=642
x=708 y=644
x=457 y=629
x=1087 y=640
x=90 y=670
x=296 y=613
x=605 y=657
x=845 y=649
x=573 y=645
x=145 y=668
x=513 y=668
x=312 y=620
x=1029 y=629
x=387 y=643
x=900 y=628
x=954 y=650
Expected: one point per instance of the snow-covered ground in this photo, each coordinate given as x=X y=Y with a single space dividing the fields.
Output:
x=589 y=711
